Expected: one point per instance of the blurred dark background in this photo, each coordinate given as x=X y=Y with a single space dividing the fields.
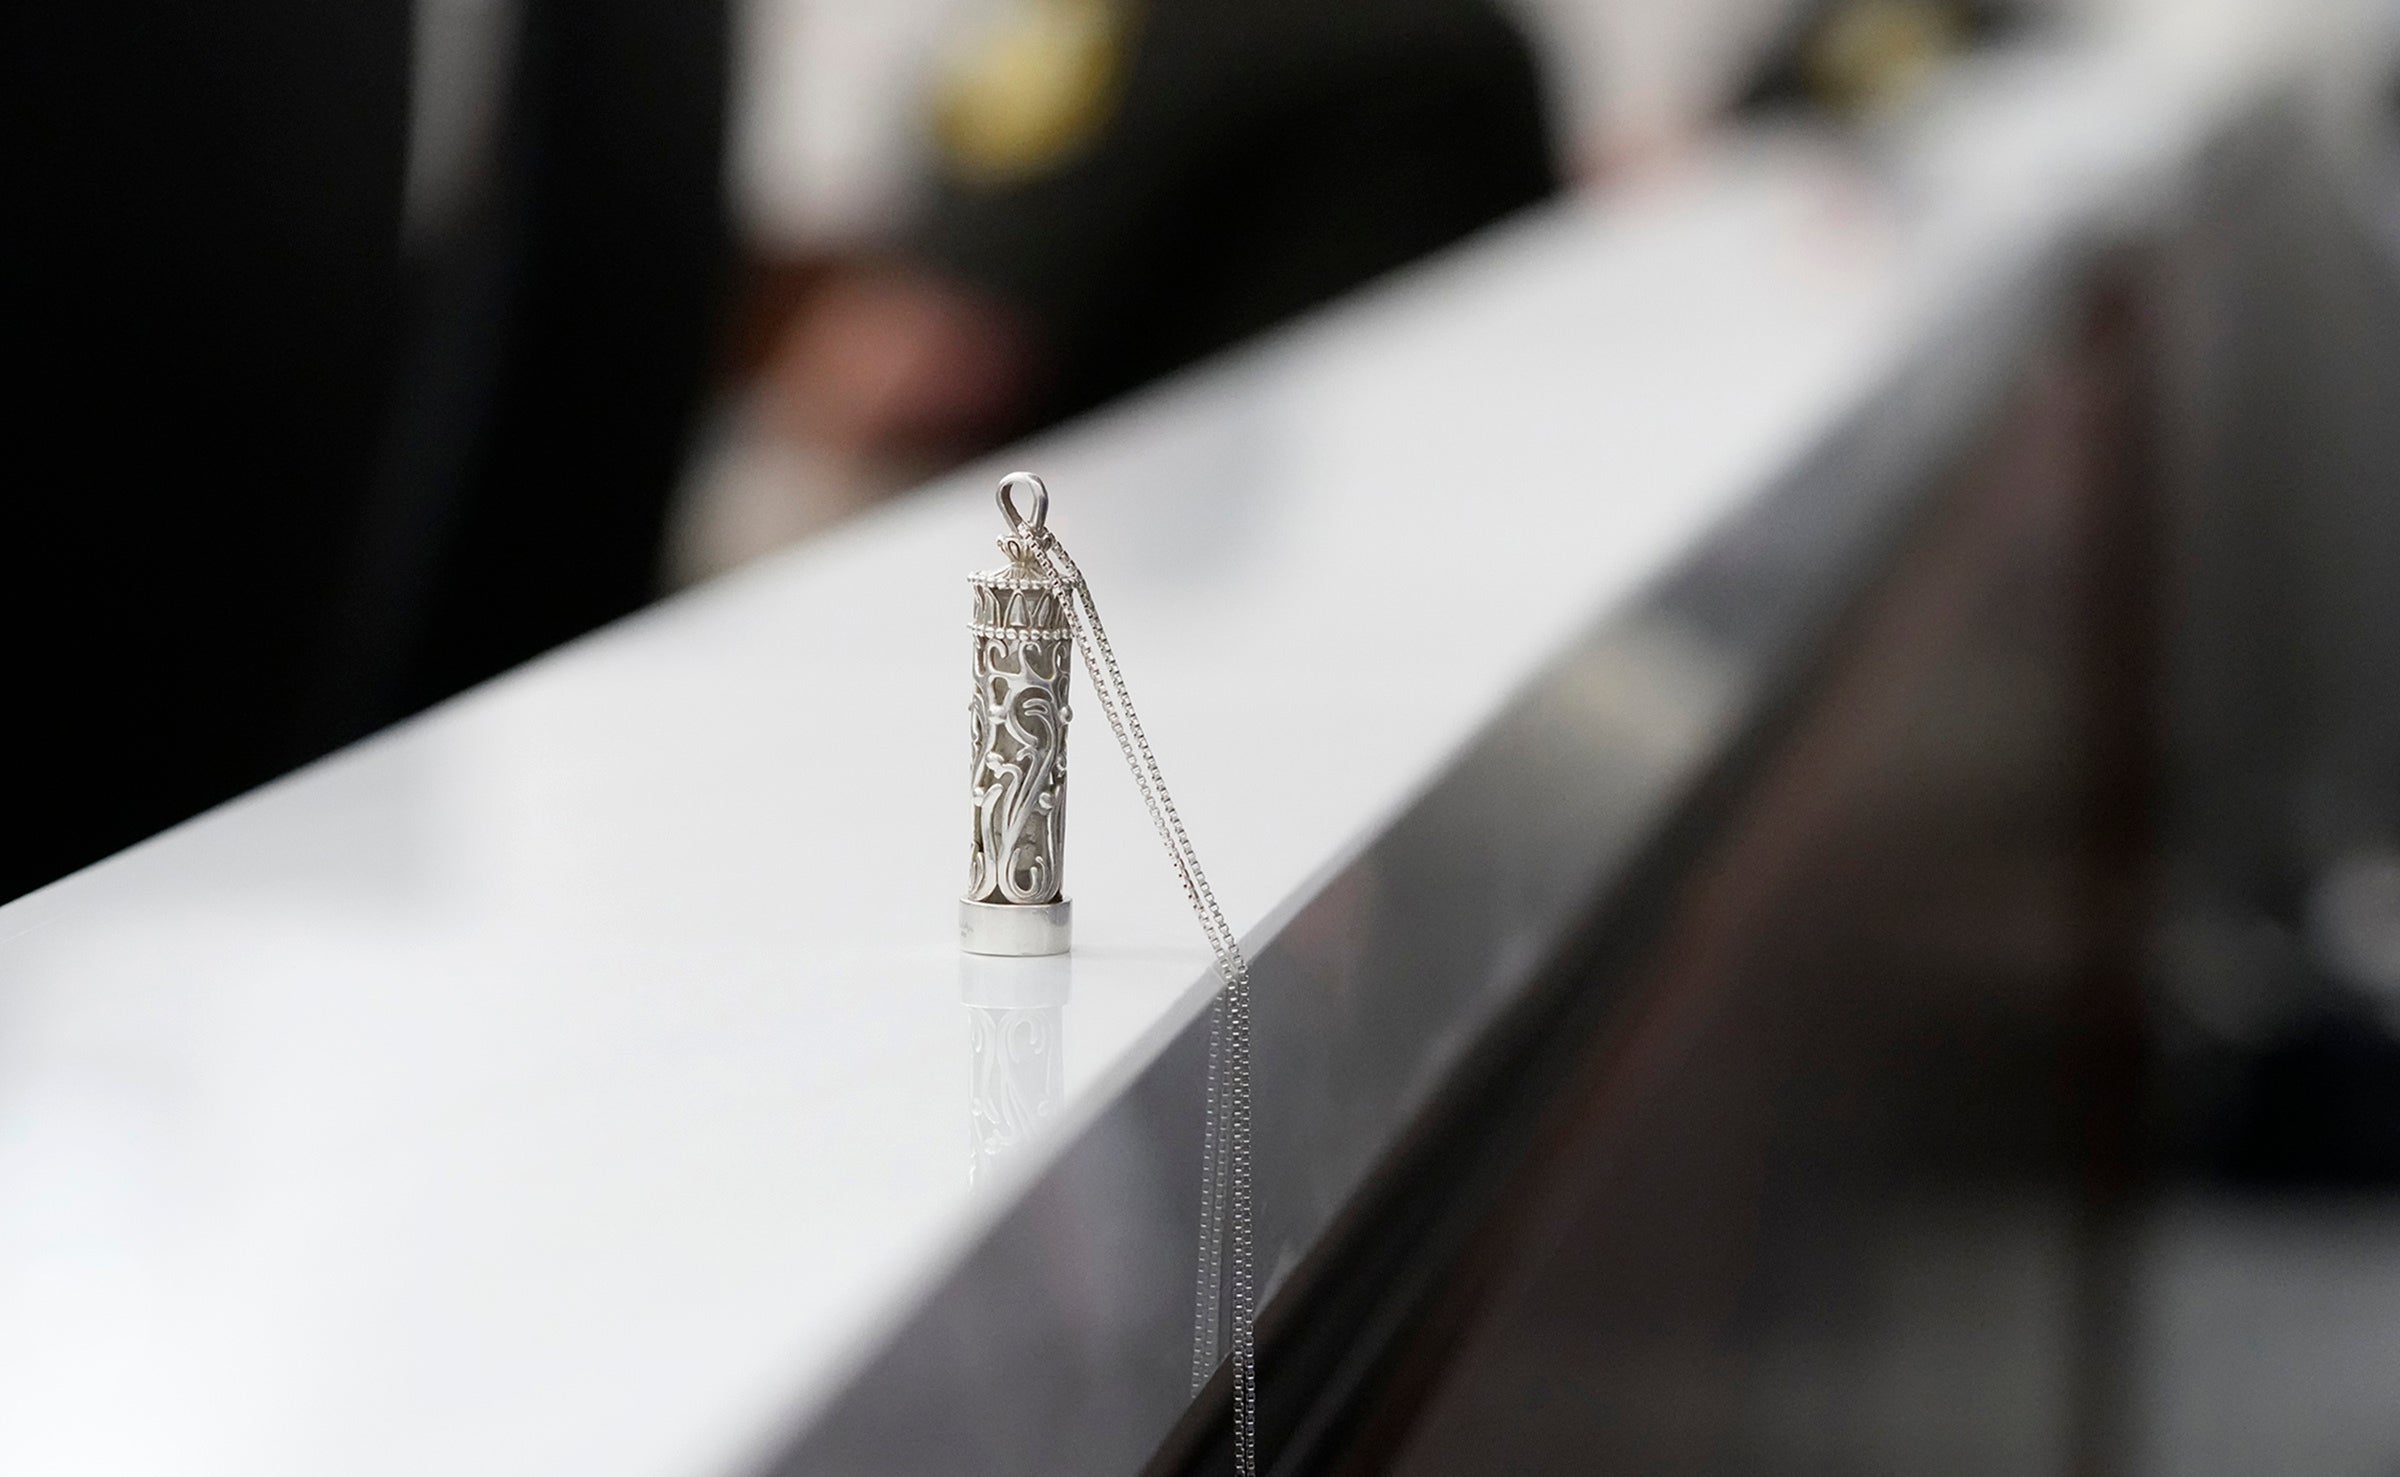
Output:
x=313 y=426
x=2028 y=1096
x=369 y=349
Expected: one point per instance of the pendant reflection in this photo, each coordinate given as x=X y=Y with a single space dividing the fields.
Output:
x=1016 y=1017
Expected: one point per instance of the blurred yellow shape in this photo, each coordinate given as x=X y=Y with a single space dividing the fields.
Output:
x=1872 y=54
x=1031 y=90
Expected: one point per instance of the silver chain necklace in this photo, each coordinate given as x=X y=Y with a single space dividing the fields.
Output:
x=1225 y=1149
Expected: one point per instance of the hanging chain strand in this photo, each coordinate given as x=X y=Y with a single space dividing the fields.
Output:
x=1208 y=1272
x=1225 y=1172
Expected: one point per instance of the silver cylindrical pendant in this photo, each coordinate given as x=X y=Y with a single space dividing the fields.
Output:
x=1018 y=773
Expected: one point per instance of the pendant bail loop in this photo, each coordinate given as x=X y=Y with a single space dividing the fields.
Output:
x=1018 y=523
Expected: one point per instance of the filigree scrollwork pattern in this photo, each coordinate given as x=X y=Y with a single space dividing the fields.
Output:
x=1018 y=735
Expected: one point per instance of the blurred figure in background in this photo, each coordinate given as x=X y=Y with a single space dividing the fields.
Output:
x=1115 y=190
x=1119 y=192
x=975 y=217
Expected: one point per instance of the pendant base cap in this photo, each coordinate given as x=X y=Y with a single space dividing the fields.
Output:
x=1015 y=930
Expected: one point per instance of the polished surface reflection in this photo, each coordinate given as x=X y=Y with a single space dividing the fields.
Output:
x=1017 y=1054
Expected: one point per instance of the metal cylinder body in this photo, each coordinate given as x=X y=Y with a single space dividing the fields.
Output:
x=1017 y=778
